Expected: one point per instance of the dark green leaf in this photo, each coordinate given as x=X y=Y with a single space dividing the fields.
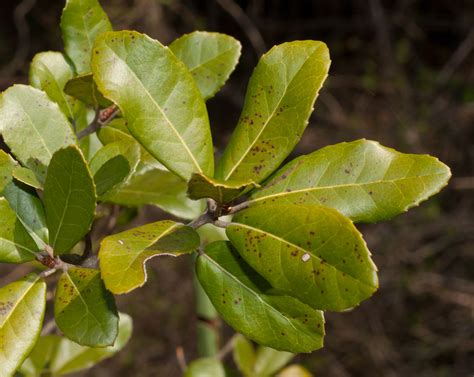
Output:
x=29 y=210
x=279 y=100
x=81 y=22
x=49 y=71
x=210 y=57
x=16 y=246
x=361 y=179
x=206 y=367
x=85 y=89
x=244 y=301
x=22 y=305
x=24 y=111
x=69 y=199
x=123 y=255
x=200 y=187
x=84 y=310
x=310 y=252
x=158 y=98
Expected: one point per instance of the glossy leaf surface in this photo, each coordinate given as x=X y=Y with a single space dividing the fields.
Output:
x=210 y=57
x=123 y=255
x=81 y=22
x=25 y=110
x=244 y=301
x=22 y=305
x=279 y=100
x=69 y=199
x=200 y=187
x=158 y=98
x=16 y=245
x=310 y=252
x=361 y=179
x=84 y=310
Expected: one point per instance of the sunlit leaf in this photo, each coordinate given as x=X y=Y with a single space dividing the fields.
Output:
x=123 y=255
x=210 y=57
x=22 y=305
x=69 y=199
x=268 y=361
x=310 y=252
x=85 y=89
x=25 y=110
x=81 y=22
x=200 y=187
x=84 y=310
x=361 y=179
x=206 y=367
x=158 y=98
x=7 y=165
x=245 y=301
x=279 y=100
x=294 y=371
x=244 y=355
x=26 y=176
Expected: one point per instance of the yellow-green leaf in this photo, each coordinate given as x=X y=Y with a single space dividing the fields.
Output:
x=7 y=166
x=205 y=367
x=85 y=89
x=26 y=176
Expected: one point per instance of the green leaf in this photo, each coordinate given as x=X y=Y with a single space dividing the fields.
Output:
x=69 y=199
x=49 y=71
x=85 y=89
x=81 y=22
x=210 y=57
x=27 y=177
x=24 y=111
x=269 y=361
x=158 y=98
x=294 y=371
x=22 y=305
x=160 y=188
x=200 y=187
x=59 y=356
x=206 y=367
x=16 y=246
x=123 y=255
x=279 y=100
x=310 y=252
x=7 y=165
x=84 y=310
x=361 y=179
x=113 y=164
x=29 y=210
x=244 y=355
x=245 y=301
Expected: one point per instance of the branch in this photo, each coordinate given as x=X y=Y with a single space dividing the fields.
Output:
x=101 y=119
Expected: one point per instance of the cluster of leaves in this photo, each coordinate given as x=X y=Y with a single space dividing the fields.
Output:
x=120 y=118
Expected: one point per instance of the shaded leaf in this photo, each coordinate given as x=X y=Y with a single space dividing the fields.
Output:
x=22 y=305
x=206 y=367
x=244 y=355
x=85 y=89
x=113 y=164
x=62 y=356
x=69 y=199
x=84 y=310
x=25 y=110
x=244 y=301
x=7 y=165
x=310 y=252
x=81 y=22
x=160 y=188
x=269 y=361
x=210 y=57
x=49 y=71
x=361 y=179
x=158 y=98
x=29 y=210
x=27 y=177
x=16 y=245
x=200 y=187
x=123 y=255
x=279 y=100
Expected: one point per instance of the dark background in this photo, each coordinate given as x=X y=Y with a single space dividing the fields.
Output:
x=402 y=73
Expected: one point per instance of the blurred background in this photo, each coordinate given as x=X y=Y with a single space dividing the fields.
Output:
x=402 y=73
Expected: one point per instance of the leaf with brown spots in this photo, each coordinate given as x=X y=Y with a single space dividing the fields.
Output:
x=123 y=255
x=279 y=100
x=310 y=252
x=363 y=180
x=249 y=304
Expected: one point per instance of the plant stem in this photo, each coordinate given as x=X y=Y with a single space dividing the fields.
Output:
x=98 y=121
x=238 y=207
